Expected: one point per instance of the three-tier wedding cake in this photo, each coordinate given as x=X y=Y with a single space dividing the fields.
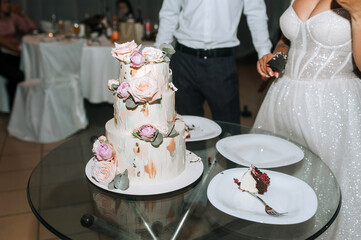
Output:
x=145 y=141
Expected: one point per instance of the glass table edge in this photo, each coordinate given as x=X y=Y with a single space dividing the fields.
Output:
x=37 y=215
x=248 y=128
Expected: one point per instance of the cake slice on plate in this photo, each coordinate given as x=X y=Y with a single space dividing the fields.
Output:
x=253 y=181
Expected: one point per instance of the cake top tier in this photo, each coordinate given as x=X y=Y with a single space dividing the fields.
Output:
x=144 y=75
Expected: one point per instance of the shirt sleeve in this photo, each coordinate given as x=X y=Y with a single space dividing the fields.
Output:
x=257 y=20
x=168 y=21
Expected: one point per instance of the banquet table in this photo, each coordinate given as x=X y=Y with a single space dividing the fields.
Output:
x=96 y=68
x=30 y=54
x=70 y=206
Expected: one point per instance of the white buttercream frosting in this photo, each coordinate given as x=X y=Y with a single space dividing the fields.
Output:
x=160 y=113
x=159 y=71
x=145 y=163
x=248 y=183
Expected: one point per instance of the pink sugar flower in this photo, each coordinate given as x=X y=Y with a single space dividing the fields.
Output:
x=124 y=51
x=137 y=59
x=103 y=171
x=144 y=88
x=145 y=132
x=104 y=152
x=123 y=90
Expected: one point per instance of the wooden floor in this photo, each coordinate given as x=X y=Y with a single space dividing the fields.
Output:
x=18 y=158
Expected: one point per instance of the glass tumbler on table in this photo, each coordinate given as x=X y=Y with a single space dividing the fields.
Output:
x=61 y=26
x=76 y=29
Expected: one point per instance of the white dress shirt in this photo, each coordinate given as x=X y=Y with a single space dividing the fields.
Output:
x=209 y=24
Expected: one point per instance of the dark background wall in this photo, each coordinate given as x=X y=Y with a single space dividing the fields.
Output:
x=77 y=10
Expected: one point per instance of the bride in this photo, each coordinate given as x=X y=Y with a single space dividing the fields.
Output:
x=317 y=101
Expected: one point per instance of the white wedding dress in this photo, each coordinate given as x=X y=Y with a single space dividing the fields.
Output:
x=317 y=103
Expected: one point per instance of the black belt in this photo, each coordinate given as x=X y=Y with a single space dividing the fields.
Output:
x=207 y=53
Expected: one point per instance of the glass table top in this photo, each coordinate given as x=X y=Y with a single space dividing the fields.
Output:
x=70 y=206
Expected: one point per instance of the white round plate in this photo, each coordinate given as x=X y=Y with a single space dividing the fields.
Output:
x=201 y=128
x=263 y=151
x=193 y=170
x=285 y=194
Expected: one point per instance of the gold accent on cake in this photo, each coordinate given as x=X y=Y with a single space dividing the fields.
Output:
x=133 y=71
x=171 y=147
x=172 y=119
x=115 y=116
x=114 y=155
x=150 y=169
x=145 y=110
x=136 y=149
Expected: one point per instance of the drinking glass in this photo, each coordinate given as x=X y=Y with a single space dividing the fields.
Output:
x=76 y=29
x=61 y=26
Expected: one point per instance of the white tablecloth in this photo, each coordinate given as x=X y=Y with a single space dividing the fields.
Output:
x=30 y=54
x=97 y=67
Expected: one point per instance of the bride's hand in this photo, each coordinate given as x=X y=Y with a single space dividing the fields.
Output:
x=263 y=69
x=353 y=6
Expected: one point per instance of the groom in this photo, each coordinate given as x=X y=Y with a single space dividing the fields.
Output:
x=204 y=66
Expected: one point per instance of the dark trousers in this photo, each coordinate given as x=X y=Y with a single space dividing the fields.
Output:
x=9 y=68
x=212 y=79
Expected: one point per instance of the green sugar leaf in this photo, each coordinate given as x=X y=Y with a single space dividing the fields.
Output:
x=167 y=48
x=158 y=139
x=130 y=103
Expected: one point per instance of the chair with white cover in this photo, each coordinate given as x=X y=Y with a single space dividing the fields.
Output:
x=51 y=108
x=4 y=96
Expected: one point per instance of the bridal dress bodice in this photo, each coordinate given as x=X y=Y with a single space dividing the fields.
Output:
x=320 y=47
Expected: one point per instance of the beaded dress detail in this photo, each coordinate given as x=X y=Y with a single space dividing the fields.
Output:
x=317 y=103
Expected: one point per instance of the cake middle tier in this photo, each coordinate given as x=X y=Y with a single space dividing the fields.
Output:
x=159 y=113
x=147 y=164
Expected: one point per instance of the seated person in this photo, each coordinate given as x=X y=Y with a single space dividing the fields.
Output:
x=124 y=10
x=12 y=27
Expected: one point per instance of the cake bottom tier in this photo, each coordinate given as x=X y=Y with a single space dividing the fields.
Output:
x=147 y=164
